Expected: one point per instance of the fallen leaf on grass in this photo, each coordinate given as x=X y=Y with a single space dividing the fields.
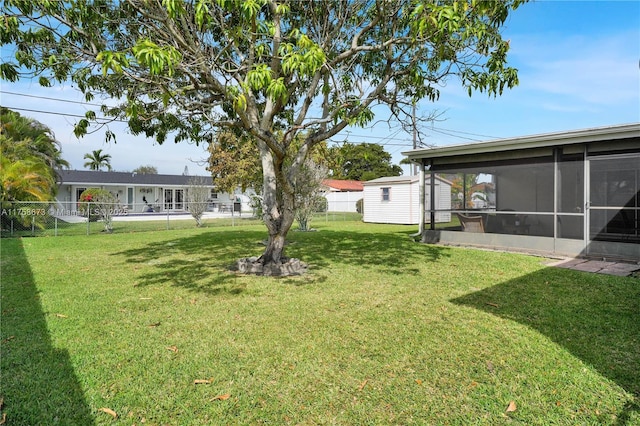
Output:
x=61 y=316
x=419 y=382
x=145 y=298
x=8 y=339
x=155 y=324
x=495 y=305
x=221 y=397
x=363 y=384
x=202 y=381
x=172 y=348
x=490 y=367
x=109 y=411
x=511 y=407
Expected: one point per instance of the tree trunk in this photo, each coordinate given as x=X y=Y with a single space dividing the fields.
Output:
x=278 y=209
x=274 y=253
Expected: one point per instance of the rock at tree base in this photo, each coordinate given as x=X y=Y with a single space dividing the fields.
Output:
x=251 y=265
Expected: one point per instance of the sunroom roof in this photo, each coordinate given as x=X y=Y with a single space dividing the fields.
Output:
x=545 y=140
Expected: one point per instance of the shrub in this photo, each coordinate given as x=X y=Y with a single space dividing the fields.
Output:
x=197 y=198
x=23 y=216
x=321 y=204
x=256 y=205
x=100 y=204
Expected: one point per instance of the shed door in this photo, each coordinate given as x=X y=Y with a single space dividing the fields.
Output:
x=613 y=207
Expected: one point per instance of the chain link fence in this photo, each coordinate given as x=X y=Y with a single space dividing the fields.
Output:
x=30 y=218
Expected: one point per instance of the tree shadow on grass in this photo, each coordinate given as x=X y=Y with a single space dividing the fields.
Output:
x=202 y=262
x=392 y=253
x=595 y=317
x=199 y=263
x=39 y=385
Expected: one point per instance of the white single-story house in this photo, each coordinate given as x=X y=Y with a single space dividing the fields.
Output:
x=342 y=195
x=144 y=193
x=574 y=193
x=397 y=200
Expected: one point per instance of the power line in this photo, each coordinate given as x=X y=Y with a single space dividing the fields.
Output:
x=447 y=132
x=443 y=131
x=65 y=114
x=455 y=136
x=26 y=95
x=467 y=133
x=342 y=142
x=124 y=121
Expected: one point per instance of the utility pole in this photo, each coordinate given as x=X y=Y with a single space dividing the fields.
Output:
x=415 y=137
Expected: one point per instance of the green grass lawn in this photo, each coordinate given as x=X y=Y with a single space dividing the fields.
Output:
x=381 y=331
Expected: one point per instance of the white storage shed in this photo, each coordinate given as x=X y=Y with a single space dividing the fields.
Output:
x=397 y=200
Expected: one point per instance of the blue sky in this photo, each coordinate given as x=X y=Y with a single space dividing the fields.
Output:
x=578 y=62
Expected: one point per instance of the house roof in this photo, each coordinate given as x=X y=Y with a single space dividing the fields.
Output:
x=343 y=185
x=545 y=140
x=92 y=177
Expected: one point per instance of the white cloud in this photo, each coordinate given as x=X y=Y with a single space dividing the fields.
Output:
x=599 y=72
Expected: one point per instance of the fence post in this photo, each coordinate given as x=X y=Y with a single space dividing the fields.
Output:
x=33 y=225
x=55 y=226
x=167 y=219
x=88 y=217
x=12 y=227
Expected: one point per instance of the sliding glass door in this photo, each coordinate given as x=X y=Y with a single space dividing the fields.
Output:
x=173 y=199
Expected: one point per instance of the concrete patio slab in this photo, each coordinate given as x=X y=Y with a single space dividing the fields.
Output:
x=621 y=269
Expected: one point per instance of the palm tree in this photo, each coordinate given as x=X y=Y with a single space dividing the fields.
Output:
x=29 y=158
x=39 y=139
x=26 y=180
x=97 y=160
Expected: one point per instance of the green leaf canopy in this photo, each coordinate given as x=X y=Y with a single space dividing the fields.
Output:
x=268 y=70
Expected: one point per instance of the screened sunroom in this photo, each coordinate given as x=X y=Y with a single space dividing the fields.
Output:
x=572 y=193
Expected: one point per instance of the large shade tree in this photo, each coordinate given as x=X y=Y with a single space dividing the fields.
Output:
x=146 y=170
x=363 y=161
x=268 y=69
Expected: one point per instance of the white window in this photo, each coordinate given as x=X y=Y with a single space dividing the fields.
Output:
x=386 y=194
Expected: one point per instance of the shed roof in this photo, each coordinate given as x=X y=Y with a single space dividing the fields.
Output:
x=392 y=179
x=92 y=177
x=401 y=179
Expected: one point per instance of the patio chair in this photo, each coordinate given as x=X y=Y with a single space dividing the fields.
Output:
x=471 y=223
x=515 y=224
